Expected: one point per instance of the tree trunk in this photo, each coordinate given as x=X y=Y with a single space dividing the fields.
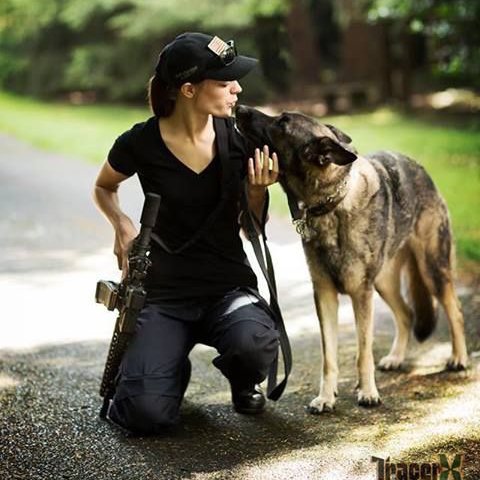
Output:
x=305 y=55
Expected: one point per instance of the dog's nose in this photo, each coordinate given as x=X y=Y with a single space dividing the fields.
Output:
x=243 y=110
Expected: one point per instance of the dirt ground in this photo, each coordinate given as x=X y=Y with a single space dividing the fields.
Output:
x=54 y=342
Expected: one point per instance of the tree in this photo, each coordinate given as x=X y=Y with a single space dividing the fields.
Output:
x=451 y=30
x=110 y=47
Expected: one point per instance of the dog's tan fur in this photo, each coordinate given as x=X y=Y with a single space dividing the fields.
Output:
x=387 y=217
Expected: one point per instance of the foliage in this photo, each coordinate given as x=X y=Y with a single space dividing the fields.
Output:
x=109 y=47
x=38 y=40
x=451 y=28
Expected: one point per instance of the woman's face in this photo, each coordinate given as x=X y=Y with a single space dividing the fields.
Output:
x=216 y=97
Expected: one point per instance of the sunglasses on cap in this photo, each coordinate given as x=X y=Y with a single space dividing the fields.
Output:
x=229 y=53
x=225 y=51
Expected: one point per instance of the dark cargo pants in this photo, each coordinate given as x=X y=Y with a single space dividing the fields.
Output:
x=155 y=369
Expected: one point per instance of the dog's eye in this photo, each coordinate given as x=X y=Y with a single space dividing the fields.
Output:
x=306 y=152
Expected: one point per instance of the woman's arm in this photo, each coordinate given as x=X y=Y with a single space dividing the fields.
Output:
x=106 y=198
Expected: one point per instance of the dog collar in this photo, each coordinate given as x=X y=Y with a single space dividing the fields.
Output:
x=301 y=216
x=330 y=203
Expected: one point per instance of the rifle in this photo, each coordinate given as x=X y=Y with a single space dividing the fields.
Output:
x=128 y=297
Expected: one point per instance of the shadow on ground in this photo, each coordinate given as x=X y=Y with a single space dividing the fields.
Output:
x=50 y=426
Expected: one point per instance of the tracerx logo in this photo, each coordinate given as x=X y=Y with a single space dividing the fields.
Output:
x=441 y=470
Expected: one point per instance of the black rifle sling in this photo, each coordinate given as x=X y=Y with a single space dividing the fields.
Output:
x=222 y=146
x=274 y=390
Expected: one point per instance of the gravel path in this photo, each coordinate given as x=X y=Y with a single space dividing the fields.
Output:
x=54 y=339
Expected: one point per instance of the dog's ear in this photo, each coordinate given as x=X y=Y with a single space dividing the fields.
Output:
x=324 y=150
x=342 y=136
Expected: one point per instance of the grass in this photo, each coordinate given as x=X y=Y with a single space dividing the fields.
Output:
x=449 y=150
x=82 y=131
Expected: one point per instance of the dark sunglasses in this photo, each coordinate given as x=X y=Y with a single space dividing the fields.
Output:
x=228 y=55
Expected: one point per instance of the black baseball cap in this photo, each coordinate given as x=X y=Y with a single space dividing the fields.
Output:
x=193 y=57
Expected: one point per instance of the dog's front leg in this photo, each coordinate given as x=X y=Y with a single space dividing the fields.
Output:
x=326 y=303
x=363 y=309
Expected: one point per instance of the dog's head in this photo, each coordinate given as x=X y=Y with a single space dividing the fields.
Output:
x=304 y=146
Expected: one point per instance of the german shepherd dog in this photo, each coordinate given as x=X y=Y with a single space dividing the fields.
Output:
x=368 y=218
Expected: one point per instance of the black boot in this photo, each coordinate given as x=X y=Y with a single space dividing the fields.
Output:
x=249 y=400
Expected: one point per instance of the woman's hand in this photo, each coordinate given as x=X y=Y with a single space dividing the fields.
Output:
x=125 y=233
x=262 y=170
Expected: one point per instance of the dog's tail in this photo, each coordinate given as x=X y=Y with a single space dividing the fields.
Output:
x=425 y=315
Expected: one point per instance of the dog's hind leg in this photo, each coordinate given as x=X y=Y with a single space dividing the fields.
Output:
x=388 y=285
x=362 y=301
x=326 y=303
x=449 y=300
x=433 y=249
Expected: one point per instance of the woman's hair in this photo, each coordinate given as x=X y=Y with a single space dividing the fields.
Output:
x=161 y=96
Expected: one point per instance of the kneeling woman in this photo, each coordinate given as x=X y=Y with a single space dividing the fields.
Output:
x=201 y=288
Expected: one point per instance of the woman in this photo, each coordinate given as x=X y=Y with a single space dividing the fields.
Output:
x=200 y=287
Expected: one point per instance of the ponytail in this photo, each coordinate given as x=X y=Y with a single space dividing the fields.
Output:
x=161 y=96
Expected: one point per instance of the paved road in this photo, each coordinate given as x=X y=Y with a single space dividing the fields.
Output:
x=54 y=247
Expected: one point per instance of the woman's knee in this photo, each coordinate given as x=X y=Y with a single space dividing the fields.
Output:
x=147 y=413
x=254 y=342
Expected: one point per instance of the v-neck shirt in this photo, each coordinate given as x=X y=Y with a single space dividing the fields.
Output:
x=176 y=158
x=216 y=262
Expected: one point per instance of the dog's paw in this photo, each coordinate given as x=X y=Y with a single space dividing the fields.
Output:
x=321 y=405
x=457 y=363
x=369 y=400
x=391 y=362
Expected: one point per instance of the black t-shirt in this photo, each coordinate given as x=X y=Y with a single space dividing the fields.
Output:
x=216 y=261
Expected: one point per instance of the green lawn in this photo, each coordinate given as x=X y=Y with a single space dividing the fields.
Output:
x=450 y=151
x=78 y=131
